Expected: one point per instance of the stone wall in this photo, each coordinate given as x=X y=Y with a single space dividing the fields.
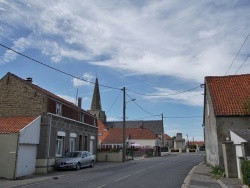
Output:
x=18 y=99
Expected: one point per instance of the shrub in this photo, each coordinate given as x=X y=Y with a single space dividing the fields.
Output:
x=245 y=169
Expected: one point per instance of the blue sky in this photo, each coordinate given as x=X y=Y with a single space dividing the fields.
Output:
x=156 y=49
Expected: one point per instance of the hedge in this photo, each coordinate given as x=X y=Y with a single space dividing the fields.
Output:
x=245 y=169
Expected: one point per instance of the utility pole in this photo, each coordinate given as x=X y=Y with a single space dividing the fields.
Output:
x=124 y=127
x=163 y=134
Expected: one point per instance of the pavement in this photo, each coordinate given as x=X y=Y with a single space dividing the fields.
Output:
x=198 y=177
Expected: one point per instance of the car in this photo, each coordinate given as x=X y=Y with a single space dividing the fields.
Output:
x=76 y=160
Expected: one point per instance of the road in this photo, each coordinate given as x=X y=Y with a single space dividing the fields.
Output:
x=168 y=171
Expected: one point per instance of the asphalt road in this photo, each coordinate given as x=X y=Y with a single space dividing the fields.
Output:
x=168 y=171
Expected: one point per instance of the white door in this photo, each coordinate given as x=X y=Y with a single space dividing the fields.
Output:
x=26 y=162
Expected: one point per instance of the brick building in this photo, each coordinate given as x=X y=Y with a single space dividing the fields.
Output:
x=64 y=126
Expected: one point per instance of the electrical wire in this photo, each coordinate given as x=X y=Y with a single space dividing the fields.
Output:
x=68 y=74
x=141 y=107
x=175 y=117
x=164 y=95
x=242 y=64
x=114 y=101
x=237 y=54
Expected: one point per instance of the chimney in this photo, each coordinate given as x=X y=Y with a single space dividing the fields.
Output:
x=29 y=79
x=80 y=102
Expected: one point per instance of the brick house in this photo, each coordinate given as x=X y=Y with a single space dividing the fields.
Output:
x=64 y=126
x=226 y=106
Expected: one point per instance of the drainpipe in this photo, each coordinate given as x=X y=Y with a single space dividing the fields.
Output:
x=48 y=156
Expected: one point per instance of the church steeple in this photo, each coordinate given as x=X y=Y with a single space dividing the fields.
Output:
x=96 y=107
x=96 y=100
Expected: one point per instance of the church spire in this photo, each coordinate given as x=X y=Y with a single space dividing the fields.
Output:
x=96 y=100
x=96 y=107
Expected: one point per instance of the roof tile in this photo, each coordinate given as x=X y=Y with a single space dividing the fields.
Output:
x=229 y=94
x=14 y=124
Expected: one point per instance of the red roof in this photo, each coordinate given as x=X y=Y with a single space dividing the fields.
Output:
x=199 y=143
x=229 y=94
x=168 y=137
x=115 y=135
x=102 y=131
x=14 y=124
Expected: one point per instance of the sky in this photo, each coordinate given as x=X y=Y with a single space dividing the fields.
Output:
x=159 y=50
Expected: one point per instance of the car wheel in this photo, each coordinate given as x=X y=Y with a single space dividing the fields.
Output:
x=91 y=164
x=78 y=166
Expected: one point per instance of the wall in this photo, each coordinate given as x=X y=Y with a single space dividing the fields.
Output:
x=224 y=124
x=109 y=156
x=211 y=141
x=50 y=127
x=17 y=98
x=8 y=148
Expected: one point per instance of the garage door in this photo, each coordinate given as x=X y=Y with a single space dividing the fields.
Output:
x=26 y=162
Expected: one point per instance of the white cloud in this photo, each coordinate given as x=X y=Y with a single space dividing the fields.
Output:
x=86 y=76
x=188 y=40
x=193 y=98
x=68 y=98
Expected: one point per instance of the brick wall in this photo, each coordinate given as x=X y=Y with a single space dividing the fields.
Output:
x=19 y=99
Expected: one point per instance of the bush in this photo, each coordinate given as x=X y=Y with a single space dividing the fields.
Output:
x=245 y=169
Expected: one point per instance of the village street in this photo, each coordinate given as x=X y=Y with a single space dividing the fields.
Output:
x=167 y=171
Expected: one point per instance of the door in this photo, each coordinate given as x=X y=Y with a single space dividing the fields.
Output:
x=26 y=162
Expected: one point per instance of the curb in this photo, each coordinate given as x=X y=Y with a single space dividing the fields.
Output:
x=188 y=178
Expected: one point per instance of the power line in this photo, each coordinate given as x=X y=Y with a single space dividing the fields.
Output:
x=242 y=63
x=237 y=55
x=164 y=95
x=175 y=117
x=141 y=107
x=114 y=101
x=32 y=59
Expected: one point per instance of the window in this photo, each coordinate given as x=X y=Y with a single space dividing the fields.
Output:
x=59 y=146
x=82 y=117
x=72 y=142
x=58 y=109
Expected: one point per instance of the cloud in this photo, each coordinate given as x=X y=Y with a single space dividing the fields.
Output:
x=193 y=98
x=167 y=38
x=68 y=98
x=86 y=76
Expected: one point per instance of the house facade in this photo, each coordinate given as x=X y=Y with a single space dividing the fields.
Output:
x=64 y=126
x=226 y=106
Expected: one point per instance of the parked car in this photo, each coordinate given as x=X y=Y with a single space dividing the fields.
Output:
x=76 y=160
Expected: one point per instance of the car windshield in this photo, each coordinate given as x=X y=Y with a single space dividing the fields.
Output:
x=74 y=154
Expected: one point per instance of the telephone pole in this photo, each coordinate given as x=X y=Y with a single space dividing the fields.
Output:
x=124 y=127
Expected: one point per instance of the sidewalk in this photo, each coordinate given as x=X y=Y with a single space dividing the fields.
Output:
x=200 y=177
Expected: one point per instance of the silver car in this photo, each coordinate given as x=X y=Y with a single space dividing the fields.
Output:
x=76 y=160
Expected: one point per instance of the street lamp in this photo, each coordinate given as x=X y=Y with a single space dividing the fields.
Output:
x=124 y=125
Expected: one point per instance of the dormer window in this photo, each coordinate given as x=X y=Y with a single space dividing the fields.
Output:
x=59 y=109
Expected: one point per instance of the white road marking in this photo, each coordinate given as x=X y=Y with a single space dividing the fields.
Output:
x=122 y=178
x=102 y=186
x=140 y=171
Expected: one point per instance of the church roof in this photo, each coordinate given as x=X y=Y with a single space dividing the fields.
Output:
x=96 y=99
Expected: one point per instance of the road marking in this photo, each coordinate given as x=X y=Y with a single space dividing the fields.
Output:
x=102 y=186
x=122 y=178
x=151 y=167
x=140 y=171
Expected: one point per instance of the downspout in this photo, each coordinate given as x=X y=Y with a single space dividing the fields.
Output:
x=48 y=156
x=16 y=161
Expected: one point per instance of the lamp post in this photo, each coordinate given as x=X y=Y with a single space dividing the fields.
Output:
x=124 y=125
